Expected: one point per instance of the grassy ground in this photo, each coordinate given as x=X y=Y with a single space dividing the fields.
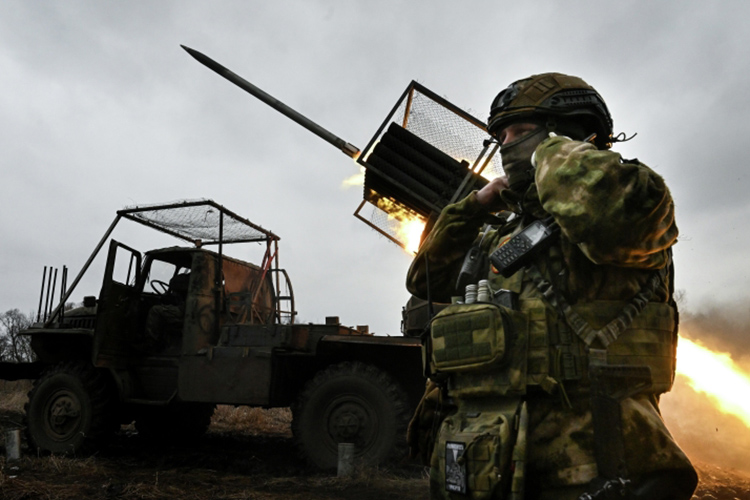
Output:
x=248 y=453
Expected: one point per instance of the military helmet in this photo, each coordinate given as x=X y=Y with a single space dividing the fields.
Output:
x=553 y=96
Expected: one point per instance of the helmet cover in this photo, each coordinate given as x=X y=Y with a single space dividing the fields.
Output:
x=556 y=97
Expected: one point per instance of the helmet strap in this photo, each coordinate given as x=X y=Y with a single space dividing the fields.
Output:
x=551 y=125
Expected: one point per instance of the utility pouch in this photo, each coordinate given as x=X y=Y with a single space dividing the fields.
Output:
x=472 y=337
x=473 y=454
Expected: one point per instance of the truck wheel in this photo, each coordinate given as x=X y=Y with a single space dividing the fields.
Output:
x=176 y=421
x=351 y=402
x=70 y=410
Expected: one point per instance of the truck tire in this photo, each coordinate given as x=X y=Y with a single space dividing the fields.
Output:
x=351 y=402
x=176 y=421
x=70 y=410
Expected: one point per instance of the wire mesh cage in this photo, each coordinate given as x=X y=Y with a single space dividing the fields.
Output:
x=426 y=154
x=202 y=222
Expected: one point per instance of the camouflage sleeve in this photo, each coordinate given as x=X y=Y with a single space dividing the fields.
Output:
x=446 y=244
x=618 y=212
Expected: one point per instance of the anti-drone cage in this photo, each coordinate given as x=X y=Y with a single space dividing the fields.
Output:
x=426 y=154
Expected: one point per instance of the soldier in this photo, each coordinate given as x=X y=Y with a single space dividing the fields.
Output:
x=579 y=329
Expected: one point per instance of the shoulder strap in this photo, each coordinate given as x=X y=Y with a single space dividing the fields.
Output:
x=610 y=332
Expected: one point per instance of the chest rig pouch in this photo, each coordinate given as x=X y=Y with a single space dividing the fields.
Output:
x=481 y=350
x=481 y=347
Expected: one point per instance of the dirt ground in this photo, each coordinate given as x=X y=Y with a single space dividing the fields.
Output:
x=247 y=454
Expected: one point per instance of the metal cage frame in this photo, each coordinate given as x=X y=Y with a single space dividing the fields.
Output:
x=254 y=234
x=486 y=151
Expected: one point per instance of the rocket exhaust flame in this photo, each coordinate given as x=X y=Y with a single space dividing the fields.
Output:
x=408 y=225
x=354 y=180
x=411 y=232
x=716 y=375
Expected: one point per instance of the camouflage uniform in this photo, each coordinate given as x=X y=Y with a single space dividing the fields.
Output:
x=617 y=225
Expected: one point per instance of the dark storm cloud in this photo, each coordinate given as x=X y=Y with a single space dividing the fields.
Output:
x=101 y=109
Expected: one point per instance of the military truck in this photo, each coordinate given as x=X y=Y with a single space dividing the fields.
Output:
x=178 y=330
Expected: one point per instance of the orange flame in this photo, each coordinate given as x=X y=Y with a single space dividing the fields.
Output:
x=716 y=375
x=410 y=232
x=406 y=224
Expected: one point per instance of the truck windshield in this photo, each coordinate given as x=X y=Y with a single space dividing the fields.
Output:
x=161 y=274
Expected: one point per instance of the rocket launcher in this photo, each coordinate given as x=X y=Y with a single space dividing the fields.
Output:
x=426 y=154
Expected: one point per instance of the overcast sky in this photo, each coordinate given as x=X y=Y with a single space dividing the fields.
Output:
x=100 y=108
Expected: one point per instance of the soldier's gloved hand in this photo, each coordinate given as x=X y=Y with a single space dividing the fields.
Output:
x=489 y=195
x=551 y=135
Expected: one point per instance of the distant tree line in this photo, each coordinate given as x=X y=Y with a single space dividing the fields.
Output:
x=14 y=347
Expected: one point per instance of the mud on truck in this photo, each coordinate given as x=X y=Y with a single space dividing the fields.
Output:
x=178 y=330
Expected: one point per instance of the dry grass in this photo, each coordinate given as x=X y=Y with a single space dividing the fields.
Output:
x=363 y=479
x=14 y=394
x=721 y=483
x=246 y=455
x=252 y=421
x=93 y=478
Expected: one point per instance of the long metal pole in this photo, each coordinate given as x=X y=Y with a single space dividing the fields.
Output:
x=63 y=289
x=348 y=149
x=46 y=300
x=219 y=277
x=41 y=296
x=69 y=292
x=54 y=287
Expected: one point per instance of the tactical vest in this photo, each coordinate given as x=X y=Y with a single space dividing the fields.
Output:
x=492 y=358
